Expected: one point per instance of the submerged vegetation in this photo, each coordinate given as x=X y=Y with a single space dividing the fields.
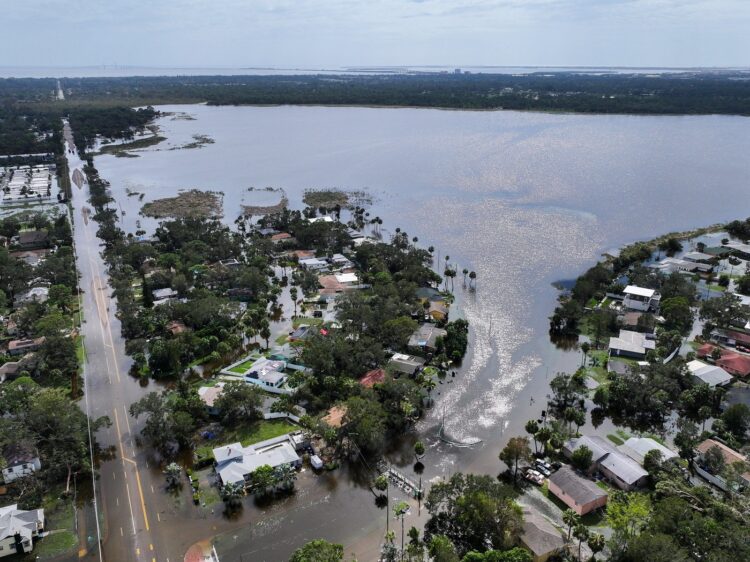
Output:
x=192 y=203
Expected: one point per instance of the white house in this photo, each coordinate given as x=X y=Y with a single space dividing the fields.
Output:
x=20 y=460
x=712 y=375
x=637 y=447
x=235 y=463
x=347 y=278
x=313 y=264
x=640 y=298
x=631 y=344
x=18 y=529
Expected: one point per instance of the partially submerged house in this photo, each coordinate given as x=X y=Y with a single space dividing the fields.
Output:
x=634 y=345
x=235 y=463
x=578 y=493
x=18 y=529
x=209 y=395
x=35 y=294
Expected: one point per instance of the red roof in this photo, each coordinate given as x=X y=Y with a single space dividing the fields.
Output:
x=734 y=363
x=372 y=378
x=705 y=350
x=281 y=236
x=740 y=337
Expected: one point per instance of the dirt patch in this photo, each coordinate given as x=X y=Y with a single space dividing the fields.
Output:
x=188 y=204
x=329 y=198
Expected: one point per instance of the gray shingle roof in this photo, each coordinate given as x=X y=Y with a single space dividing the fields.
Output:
x=581 y=490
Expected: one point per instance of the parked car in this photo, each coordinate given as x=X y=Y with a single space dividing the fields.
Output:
x=534 y=476
x=541 y=466
x=317 y=314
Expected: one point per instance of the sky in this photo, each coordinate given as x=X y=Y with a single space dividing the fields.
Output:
x=341 y=33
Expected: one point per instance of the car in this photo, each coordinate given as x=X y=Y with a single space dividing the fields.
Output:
x=318 y=314
x=534 y=476
x=542 y=469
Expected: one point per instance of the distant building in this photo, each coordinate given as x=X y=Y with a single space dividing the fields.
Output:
x=641 y=299
x=18 y=529
x=579 y=494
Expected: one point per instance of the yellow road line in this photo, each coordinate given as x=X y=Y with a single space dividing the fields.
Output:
x=143 y=502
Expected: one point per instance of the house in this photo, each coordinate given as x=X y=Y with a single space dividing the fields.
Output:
x=302 y=332
x=712 y=375
x=19 y=347
x=35 y=294
x=33 y=239
x=425 y=337
x=21 y=459
x=717 y=251
x=579 y=494
x=209 y=394
x=729 y=455
x=631 y=344
x=18 y=529
x=31 y=257
x=622 y=471
x=165 y=293
x=231 y=263
x=267 y=373
x=438 y=310
x=280 y=237
x=323 y=218
x=613 y=465
x=539 y=536
x=640 y=298
x=739 y=249
x=676 y=265
x=235 y=463
x=347 y=278
x=598 y=446
x=313 y=264
x=699 y=257
x=407 y=364
x=340 y=260
x=371 y=378
x=637 y=447
x=734 y=363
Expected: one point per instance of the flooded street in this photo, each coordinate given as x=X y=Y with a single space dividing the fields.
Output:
x=523 y=199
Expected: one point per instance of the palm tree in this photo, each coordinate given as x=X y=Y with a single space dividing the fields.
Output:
x=596 y=543
x=581 y=532
x=293 y=293
x=429 y=385
x=473 y=279
x=571 y=519
x=419 y=450
x=532 y=427
x=543 y=435
x=585 y=348
x=400 y=510
x=382 y=484
x=465 y=272
x=431 y=249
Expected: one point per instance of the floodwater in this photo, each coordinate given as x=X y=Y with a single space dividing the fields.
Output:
x=524 y=199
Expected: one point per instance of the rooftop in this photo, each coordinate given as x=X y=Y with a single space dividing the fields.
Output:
x=582 y=491
x=637 y=447
x=639 y=291
x=712 y=375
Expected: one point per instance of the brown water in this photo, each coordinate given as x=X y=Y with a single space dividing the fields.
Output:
x=523 y=199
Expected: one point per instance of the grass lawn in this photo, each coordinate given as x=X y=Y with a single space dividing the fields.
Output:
x=297 y=322
x=281 y=340
x=242 y=367
x=60 y=519
x=80 y=352
x=615 y=439
x=248 y=434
